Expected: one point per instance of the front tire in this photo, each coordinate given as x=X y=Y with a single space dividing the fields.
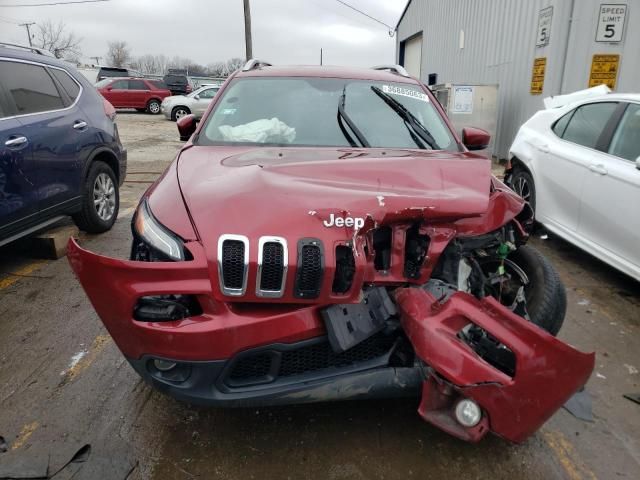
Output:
x=179 y=112
x=101 y=200
x=153 y=107
x=545 y=293
x=528 y=270
x=522 y=184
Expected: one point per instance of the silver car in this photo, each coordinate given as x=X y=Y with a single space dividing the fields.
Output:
x=195 y=102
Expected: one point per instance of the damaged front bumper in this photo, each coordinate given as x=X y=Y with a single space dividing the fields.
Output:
x=547 y=371
x=206 y=347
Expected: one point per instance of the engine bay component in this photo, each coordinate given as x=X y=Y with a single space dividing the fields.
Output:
x=349 y=324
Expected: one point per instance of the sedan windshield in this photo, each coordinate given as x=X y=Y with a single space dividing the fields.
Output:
x=326 y=112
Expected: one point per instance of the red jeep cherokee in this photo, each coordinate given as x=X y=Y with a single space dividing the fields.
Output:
x=325 y=235
x=131 y=92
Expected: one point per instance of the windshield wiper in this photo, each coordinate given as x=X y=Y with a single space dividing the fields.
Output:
x=342 y=115
x=410 y=120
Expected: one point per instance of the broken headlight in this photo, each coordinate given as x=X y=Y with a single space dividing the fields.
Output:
x=152 y=241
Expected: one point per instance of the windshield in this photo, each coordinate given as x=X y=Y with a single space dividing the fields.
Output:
x=326 y=112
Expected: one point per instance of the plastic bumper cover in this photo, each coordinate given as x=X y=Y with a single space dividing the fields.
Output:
x=548 y=371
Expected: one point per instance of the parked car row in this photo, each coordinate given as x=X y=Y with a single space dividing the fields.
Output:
x=171 y=96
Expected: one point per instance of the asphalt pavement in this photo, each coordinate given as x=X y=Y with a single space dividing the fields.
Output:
x=66 y=390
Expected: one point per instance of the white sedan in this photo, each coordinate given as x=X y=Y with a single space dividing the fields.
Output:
x=196 y=102
x=578 y=165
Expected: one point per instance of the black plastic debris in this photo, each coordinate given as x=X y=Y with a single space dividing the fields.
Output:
x=347 y=325
x=634 y=397
x=579 y=405
x=3 y=445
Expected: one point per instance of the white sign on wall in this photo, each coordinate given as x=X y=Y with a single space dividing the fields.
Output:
x=544 y=27
x=462 y=100
x=611 y=22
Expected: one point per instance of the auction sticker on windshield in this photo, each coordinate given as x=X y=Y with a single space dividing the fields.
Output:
x=405 y=92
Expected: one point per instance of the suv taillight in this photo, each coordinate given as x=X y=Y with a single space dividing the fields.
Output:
x=109 y=111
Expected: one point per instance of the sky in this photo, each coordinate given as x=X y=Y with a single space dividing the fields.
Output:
x=206 y=31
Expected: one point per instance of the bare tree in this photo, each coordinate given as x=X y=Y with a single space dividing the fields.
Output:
x=232 y=65
x=118 y=54
x=216 y=69
x=53 y=37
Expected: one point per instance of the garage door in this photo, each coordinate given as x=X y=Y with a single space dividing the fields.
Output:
x=413 y=55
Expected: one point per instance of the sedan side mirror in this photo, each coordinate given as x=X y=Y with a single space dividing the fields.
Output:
x=197 y=97
x=186 y=126
x=475 y=138
x=638 y=163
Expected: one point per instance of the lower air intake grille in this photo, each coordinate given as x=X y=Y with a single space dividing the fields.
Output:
x=233 y=263
x=270 y=365
x=310 y=268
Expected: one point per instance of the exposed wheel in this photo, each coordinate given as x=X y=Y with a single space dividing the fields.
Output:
x=179 y=112
x=527 y=271
x=153 y=107
x=522 y=184
x=101 y=200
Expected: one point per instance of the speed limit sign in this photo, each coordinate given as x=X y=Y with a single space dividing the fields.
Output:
x=611 y=22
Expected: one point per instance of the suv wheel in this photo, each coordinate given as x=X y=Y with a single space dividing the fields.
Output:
x=101 y=200
x=179 y=112
x=153 y=107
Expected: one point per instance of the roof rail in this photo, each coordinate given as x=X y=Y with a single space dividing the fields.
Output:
x=398 y=69
x=39 y=51
x=254 y=63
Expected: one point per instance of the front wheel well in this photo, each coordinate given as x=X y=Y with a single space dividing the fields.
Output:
x=108 y=158
x=517 y=164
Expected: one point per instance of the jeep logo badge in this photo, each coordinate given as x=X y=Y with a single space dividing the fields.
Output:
x=356 y=222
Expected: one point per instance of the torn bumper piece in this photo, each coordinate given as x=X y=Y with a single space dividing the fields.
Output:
x=547 y=371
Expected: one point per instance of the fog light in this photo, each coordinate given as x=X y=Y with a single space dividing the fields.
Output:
x=468 y=413
x=164 y=365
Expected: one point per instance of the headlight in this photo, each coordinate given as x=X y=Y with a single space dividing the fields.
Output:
x=156 y=235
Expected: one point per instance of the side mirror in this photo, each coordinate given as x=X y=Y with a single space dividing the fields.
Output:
x=109 y=88
x=475 y=138
x=197 y=97
x=638 y=163
x=186 y=126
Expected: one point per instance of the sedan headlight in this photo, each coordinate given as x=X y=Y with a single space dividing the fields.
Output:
x=156 y=236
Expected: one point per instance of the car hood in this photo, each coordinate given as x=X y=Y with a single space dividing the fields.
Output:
x=300 y=192
x=176 y=98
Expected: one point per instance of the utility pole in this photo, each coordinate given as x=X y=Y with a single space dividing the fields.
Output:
x=97 y=59
x=320 y=56
x=247 y=30
x=27 y=25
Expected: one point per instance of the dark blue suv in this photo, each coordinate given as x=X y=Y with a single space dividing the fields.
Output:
x=60 y=153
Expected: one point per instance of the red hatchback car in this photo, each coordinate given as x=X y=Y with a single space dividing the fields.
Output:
x=130 y=92
x=325 y=235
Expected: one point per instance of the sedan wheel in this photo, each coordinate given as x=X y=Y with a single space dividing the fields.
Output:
x=522 y=184
x=104 y=197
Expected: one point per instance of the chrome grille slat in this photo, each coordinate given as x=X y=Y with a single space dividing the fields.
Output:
x=233 y=264
x=272 y=267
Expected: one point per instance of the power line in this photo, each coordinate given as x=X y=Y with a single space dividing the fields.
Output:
x=391 y=29
x=16 y=5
